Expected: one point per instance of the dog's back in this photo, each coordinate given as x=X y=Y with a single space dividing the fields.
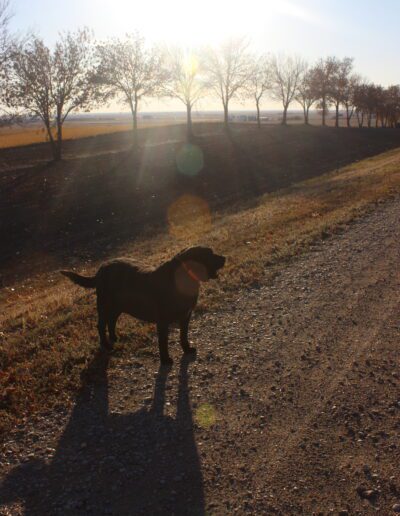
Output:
x=126 y=286
x=122 y=273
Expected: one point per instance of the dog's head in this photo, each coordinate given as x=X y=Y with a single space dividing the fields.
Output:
x=202 y=262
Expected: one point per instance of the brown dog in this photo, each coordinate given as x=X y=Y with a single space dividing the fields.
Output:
x=163 y=295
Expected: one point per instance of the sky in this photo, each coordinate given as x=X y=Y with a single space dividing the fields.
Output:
x=367 y=30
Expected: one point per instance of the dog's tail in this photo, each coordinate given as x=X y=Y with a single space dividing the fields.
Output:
x=83 y=281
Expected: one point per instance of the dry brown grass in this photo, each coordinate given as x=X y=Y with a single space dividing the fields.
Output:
x=18 y=136
x=26 y=135
x=48 y=331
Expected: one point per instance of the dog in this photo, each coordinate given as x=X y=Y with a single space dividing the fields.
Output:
x=164 y=295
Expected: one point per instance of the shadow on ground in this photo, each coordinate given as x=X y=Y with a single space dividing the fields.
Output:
x=141 y=463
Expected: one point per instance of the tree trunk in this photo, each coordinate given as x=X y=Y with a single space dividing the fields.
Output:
x=324 y=110
x=348 y=116
x=226 y=114
x=51 y=140
x=305 y=113
x=189 y=120
x=323 y=106
x=59 y=141
x=258 y=114
x=135 y=131
x=133 y=104
x=337 y=114
x=284 y=116
x=308 y=115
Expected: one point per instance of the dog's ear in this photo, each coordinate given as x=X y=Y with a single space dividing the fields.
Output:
x=181 y=253
x=187 y=251
x=196 y=252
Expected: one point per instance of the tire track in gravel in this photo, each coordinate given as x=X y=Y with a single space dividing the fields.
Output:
x=368 y=316
x=319 y=393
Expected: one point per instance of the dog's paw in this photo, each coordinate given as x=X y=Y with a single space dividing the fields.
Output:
x=106 y=345
x=190 y=351
x=167 y=361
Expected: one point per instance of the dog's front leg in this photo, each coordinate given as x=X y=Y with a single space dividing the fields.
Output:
x=184 y=325
x=162 y=330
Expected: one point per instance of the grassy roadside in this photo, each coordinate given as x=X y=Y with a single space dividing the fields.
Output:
x=48 y=334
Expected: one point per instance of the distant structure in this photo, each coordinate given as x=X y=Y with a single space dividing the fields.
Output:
x=242 y=118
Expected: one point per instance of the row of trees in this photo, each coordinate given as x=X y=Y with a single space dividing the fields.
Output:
x=79 y=73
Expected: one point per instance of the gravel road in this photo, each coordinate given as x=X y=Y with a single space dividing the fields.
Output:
x=291 y=407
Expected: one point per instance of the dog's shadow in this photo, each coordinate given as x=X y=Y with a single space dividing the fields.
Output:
x=141 y=463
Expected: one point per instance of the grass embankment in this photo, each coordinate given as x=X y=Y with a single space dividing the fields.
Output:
x=49 y=335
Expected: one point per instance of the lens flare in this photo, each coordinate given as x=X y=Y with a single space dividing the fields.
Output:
x=206 y=415
x=189 y=217
x=190 y=159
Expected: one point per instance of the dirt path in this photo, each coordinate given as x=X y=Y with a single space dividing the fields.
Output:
x=292 y=406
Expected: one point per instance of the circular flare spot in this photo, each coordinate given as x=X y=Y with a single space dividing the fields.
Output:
x=189 y=217
x=205 y=415
x=189 y=159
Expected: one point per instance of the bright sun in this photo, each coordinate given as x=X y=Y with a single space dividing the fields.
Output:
x=196 y=22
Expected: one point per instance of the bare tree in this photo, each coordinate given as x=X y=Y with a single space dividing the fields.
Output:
x=340 y=83
x=5 y=17
x=259 y=81
x=369 y=102
x=324 y=72
x=348 y=96
x=228 y=68
x=373 y=101
x=6 y=117
x=305 y=94
x=129 y=70
x=360 y=104
x=286 y=72
x=185 y=80
x=50 y=84
x=391 y=111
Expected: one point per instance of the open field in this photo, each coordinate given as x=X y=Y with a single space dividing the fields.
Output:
x=265 y=200
x=20 y=135
x=99 y=197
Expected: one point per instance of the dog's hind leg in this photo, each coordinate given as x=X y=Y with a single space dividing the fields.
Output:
x=184 y=326
x=102 y=323
x=111 y=323
x=162 y=331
